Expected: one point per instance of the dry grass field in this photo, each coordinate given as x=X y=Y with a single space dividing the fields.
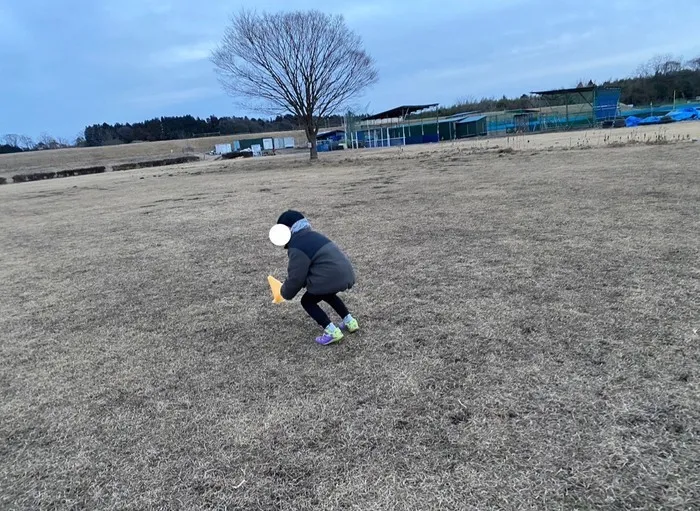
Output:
x=20 y=163
x=24 y=163
x=529 y=334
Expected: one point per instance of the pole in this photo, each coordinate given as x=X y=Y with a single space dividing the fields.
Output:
x=437 y=124
x=345 y=129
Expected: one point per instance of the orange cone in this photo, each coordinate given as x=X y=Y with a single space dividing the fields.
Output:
x=275 y=287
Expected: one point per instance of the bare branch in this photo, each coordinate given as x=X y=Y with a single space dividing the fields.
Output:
x=12 y=140
x=26 y=142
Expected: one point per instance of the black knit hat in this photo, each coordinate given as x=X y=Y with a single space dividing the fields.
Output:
x=289 y=218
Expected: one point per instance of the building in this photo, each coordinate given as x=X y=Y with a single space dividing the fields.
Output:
x=415 y=124
x=331 y=140
x=580 y=107
x=397 y=126
x=472 y=126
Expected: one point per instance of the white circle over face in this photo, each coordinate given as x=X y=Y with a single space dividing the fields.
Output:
x=280 y=235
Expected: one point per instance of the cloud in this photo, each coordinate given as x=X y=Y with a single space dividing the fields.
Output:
x=397 y=10
x=564 y=40
x=364 y=11
x=183 y=54
x=615 y=61
x=129 y=10
x=450 y=73
x=173 y=97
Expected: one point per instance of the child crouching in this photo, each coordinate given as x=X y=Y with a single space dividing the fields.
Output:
x=318 y=264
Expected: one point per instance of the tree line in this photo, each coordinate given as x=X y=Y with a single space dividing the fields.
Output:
x=162 y=128
x=13 y=143
x=656 y=81
x=187 y=126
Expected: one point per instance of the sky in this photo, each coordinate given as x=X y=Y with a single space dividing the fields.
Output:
x=65 y=65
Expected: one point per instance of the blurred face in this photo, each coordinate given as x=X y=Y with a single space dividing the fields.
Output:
x=280 y=235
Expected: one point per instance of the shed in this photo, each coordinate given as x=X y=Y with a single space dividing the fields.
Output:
x=250 y=142
x=472 y=126
x=222 y=148
x=335 y=135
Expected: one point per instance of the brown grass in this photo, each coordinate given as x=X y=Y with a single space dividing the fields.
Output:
x=42 y=161
x=529 y=335
x=11 y=164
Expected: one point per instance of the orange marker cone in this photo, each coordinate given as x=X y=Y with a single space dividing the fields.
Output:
x=276 y=287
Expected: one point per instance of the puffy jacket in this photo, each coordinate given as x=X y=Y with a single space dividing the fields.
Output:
x=317 y=264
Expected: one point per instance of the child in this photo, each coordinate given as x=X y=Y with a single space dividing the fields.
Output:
x=317 y=264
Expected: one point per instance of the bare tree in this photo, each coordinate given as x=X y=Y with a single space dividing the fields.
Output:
x=660 y=65
x=46 y=141
x=671 y=66
x=693 y=64
x=641 y=71
x=467 y=100
x=306 y=63
x=12 y=140
x=644 y=70
x=26 y=142
x=658 y=62
x=79 y=140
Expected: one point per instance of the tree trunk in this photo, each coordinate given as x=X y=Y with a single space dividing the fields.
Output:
x=311 y=137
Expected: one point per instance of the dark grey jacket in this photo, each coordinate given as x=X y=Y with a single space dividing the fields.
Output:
x=317 y=264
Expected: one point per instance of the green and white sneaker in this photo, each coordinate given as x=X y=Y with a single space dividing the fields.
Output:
x=349 y=324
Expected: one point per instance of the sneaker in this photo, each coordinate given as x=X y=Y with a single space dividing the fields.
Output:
x=330 y=336
x=349 y=324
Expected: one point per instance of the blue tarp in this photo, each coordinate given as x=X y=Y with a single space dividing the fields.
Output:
x=684 y=114
x=652 y=119
x=633 y=122
x=606 y=101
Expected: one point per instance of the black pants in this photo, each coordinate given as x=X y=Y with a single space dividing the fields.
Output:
x=310 y=303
